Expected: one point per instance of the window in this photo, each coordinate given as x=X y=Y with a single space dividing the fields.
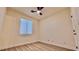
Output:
x=25 y=26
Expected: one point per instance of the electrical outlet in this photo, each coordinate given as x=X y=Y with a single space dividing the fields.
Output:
x=48 y=40
x=71 y=16
x=76 y=47
x=75 y=33
x=73 y=30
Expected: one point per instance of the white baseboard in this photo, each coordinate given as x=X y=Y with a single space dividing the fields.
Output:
x=18 y=45
x=57 y=45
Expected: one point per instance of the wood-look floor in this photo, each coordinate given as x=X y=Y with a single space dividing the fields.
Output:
x=36 y=47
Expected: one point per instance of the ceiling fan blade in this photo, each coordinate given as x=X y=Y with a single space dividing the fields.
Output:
x=40 y=8
x=40 y=13
x=33 y=11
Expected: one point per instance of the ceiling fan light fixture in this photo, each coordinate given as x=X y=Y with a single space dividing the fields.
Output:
x=38 y=12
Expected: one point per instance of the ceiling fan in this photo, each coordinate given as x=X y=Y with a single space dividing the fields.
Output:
x=39 y=9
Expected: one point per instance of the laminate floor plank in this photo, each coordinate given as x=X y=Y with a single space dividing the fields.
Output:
x=42 y=48
x=36 y=47
x=45 y=48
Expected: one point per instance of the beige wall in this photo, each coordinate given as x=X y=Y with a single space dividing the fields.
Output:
x=75 y=23
x=57 y=30
x=2 y=15
x=10 y=35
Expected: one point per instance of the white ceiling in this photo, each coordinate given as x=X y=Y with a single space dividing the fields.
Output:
x=47 y=11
